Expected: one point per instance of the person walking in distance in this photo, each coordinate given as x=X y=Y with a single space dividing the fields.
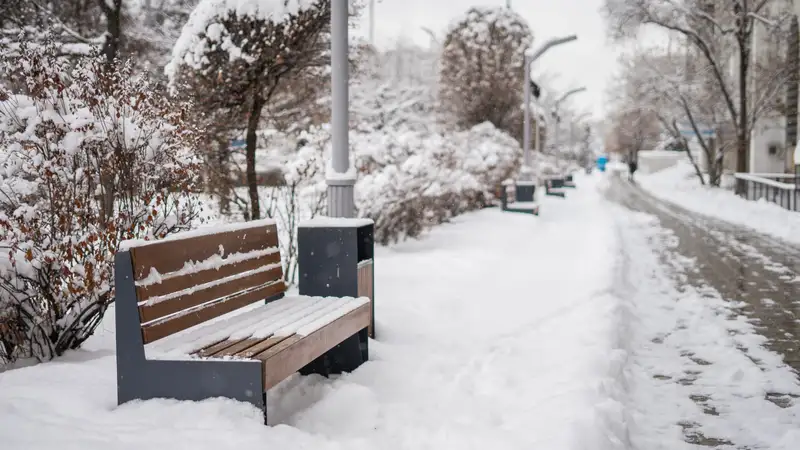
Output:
x=632 y=166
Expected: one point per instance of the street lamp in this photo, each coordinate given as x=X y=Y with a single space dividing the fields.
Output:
x=567 y=95
x=530 y=57
x=558 y=103
x=434 y=41
x=340 y=178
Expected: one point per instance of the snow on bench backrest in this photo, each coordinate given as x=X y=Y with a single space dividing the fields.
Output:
x=192 y=277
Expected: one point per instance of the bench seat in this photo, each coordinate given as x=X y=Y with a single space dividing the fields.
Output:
x=277 y=320
x=267 y=332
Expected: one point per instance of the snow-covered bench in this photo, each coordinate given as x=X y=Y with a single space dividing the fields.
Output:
x=569 y=181
x=203 y=314
x=525 y=203
x=554 y=187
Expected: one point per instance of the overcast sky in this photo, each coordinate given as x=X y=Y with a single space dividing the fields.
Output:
x=589 y=62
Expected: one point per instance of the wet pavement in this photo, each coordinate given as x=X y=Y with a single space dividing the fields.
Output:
x=757 y=274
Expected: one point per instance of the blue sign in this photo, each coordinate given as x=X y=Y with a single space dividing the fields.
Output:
x=687 y=130
x=237 y=143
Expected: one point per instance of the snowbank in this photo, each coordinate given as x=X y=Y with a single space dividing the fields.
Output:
x=679 y=185
x=653 y=161
x=486 y=340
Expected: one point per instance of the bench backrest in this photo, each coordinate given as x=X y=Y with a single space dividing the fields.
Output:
x=190 y=278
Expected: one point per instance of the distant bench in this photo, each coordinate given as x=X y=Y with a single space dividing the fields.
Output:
x=554 y=187
x=522 y=199
x=204 y=315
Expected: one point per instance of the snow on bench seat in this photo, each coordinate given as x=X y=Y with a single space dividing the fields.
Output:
x=528 y=206
x=248 y=332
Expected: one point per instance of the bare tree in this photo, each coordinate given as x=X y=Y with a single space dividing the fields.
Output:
x=651 y=98
x=719 y=35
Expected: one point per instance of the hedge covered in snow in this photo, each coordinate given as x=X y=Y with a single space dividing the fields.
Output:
x=89 y=156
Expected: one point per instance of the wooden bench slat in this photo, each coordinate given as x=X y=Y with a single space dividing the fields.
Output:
x=154 y=311
x=235 y=328
x=293 y=353
x=214 y=348
x=158 y=330
x=240 y=346
x=171 y=255
x=261 y=346
x=198 y=338
x=179 y=283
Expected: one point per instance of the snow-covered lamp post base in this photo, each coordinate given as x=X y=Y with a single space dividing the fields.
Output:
x=341 y=194
x=526 y=173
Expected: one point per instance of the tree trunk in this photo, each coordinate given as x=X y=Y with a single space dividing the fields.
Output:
x=220 y=174
x=742 y=134
x=114 y=23
x=697 y=170
x=714 y=163
x=250 y=142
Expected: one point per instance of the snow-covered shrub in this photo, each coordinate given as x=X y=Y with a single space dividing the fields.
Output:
x=481 y=68
x=413 y=180
x=88 y=157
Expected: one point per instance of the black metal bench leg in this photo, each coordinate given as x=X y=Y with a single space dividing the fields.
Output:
x=363 y=340
x=347 y=356
x=319 y=366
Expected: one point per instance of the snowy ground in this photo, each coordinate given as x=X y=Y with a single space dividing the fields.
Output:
x=498 y=331
x=680 y=185
x=494 y=332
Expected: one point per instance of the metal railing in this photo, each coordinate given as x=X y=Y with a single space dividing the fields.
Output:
x=781 y=189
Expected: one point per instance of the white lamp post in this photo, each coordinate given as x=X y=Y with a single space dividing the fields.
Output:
x=340 y=178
